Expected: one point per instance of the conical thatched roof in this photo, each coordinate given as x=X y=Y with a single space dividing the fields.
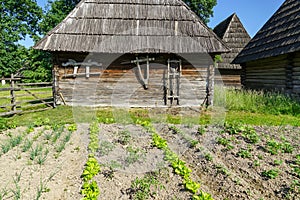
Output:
x=233 y=33
x=137 y=26
x=280 y=35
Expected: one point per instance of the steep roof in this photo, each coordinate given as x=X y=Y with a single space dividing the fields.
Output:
x=137 y=26
x=280 y=35
x=235 y=36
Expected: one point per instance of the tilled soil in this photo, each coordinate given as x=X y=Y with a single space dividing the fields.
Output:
x=228 y=166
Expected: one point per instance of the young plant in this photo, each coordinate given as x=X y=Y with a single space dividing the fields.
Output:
x=35 y=152
x=90 y=190
x=159 y=142
x=203 y=196
x=72 y=128
x=201 y=130
x=191 y=186
x=135 y=154
x=27 y=145
x=92 y=168
x=208 y=157
x=270 y=174
x=273 y=147
x=142 y=187
x=244 y=153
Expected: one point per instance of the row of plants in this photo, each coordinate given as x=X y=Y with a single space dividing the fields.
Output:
x=178 y=165
x=90 y=189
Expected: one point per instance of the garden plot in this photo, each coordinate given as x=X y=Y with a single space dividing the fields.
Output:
x=150 y=161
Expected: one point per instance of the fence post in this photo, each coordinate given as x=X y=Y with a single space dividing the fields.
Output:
x=12 y=93
x=54 y=86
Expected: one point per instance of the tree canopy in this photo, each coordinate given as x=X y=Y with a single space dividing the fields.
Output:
x=203 y=8
x=17 y=20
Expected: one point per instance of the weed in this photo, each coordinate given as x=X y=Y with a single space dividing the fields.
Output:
x=41 y=121
x=270 y=174
x=141 y=188
x=105 y=147
x=135 y=154
x=244 y=153
x=124 y=137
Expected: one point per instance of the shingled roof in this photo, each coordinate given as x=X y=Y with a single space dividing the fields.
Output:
x=137 y=26
x=233 y=33
x=280 y=35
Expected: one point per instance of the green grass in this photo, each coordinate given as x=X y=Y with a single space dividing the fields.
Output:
x=245 y=107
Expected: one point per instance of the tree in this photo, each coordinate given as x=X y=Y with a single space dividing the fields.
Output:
x=17 y=19
x=203 y=8
x=56 y=12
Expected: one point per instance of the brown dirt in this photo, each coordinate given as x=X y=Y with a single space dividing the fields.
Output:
x=226 y=176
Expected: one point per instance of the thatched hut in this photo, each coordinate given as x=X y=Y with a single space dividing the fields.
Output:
x=133 y=53
x=233 y=33
x=271 y=60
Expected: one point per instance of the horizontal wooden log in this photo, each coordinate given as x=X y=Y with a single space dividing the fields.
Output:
x=37 y=104
x=34 y=84
x=9 y=113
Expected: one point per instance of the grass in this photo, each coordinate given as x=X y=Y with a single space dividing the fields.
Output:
x=245 y=107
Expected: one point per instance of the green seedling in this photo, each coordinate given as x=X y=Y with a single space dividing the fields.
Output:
x=208 y=157
x=278 y=162
x=287 y=148
x=27 y=145
x=273 y=147
x=92 y=168
x=256 y=163
x=5 y=147
x=90 y=190
x=244 y=153
x=35 y=152
x=202 y=196
x=191 y=185
x=142 y=187
x=270 y=174
x=72 y=128
x=180 y=168
x=201 y=130
x=223 y=170
x=15 y=141
x=159 y=142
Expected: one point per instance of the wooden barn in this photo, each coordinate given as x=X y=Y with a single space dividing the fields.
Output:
x=235 y=36
x=271 y=60
x=136 y=53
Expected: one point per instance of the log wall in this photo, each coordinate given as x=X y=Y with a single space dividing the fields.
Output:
x=119 y=85
x=281 y=73
x=229 y=77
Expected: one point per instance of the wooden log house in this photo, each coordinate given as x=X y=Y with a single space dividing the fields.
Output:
x=137 y=53
x=236 y=37
x=271 y=60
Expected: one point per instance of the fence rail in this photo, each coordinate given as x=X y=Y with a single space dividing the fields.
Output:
x=21 y=97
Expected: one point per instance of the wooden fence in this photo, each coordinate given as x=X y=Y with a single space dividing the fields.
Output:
x=21 y=97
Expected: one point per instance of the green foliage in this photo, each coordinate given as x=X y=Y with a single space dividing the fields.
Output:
x=105 y=147
x=273 y=147
x=135 y=154
x=244 y=153
x=203 y=8
x=124 y=137
x=191 y=185
x=94 y=142
x=72 y=127
x=203 y=196
x=90 y=190
x=27 y=145
x=270 y=174
x=92 y=168
x=17 y=20
x=208 y=157
x=159 y=142
x=201 y=130
x=261 y=102
x=142 y=187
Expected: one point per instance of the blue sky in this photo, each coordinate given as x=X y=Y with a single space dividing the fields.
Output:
x=252 y=13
